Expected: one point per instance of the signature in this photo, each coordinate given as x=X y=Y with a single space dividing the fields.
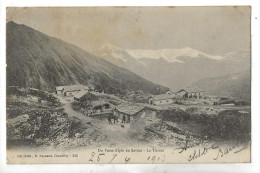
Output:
x=221 y=152
x=224 y=151
x=197 y=153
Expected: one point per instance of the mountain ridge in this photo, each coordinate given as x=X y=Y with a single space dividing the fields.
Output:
x=171 y=55
x=236 y=85
x=36 y=60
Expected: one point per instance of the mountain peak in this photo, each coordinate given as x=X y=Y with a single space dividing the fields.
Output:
x=11 y=22
x=12 y=27
x=14 y=24
x=171 y=55
x=37 y=60
x=110 y=47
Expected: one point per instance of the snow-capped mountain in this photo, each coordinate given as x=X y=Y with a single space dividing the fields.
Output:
x=176 y=68
x=111 y=50
x=171 y=55
x=119 y=57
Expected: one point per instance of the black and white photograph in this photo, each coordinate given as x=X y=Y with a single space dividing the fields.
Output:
x=105 y=84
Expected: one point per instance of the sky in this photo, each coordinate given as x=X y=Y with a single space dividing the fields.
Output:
x=213 y=30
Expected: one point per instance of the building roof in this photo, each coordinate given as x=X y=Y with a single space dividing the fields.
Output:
x=163 y=96
x=59 y=88
x=172 y=91
x=129 y=109
x=191 y=90
x=80 y=94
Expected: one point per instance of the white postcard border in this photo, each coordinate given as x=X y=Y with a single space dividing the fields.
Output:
x=252 y=167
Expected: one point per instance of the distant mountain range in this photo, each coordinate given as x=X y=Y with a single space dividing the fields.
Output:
x=37 y=60
x=235 y=85
x=170 y=55
x=176 y=68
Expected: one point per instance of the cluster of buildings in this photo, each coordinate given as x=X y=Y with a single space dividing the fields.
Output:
x=129 y=111
x=79 y=92
x=75 y=91
x=171 y=96
x=70 y=90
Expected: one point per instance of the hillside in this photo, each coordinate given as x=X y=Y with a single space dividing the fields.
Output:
x=37 y=60
x=235 y=85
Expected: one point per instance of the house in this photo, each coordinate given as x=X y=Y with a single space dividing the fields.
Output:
x=181 y=93
x=71 y=90
x=162 y=99
x=80 y=95
x=130 y=111
x=170 y=92
x=70 y=93
x=190 y=93
x=91 y=96
x=59 y=89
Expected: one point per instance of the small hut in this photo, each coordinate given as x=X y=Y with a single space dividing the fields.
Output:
x=130 y=111
x=80 y=95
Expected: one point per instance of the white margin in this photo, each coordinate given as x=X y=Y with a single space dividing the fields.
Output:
x=253 y=167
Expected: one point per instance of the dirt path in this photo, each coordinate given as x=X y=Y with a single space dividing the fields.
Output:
x=117 y=135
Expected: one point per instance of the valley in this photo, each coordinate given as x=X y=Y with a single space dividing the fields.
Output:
x=62 y=97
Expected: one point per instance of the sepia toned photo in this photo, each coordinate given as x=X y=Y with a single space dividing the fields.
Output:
x=128 y=85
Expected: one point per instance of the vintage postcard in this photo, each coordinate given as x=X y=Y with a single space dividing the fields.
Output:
x=128 y=85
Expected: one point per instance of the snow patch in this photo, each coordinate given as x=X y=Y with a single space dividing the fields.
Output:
x=170 y=55
x=118 y=56
x=111 y=50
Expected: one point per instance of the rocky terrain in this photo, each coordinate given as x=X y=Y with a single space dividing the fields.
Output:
x=34 y=125
x=39 y=120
